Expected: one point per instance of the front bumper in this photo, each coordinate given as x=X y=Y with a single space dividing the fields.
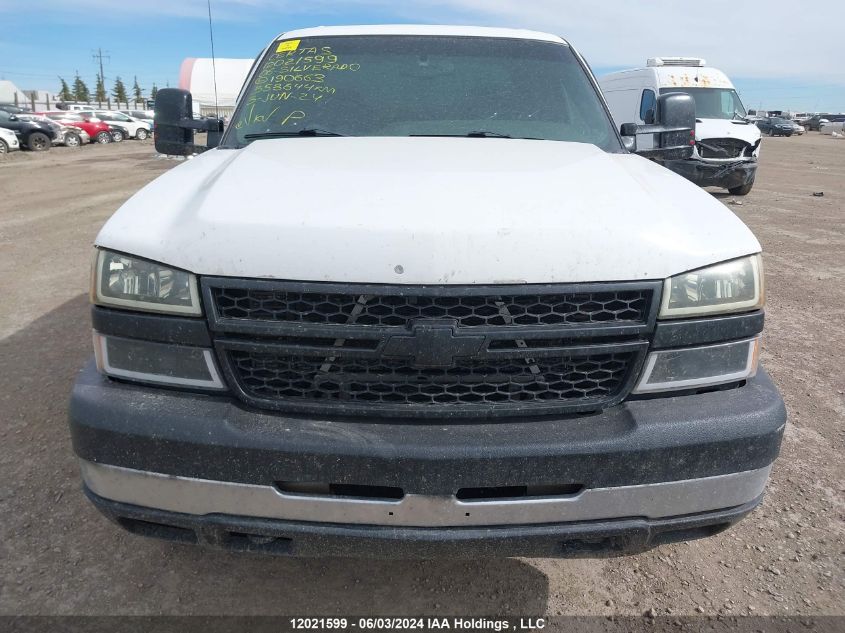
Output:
x=724 y=175
x=589 y=539
x=203 y=468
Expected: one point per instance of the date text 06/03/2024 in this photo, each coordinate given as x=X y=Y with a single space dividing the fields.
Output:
x=418 y=624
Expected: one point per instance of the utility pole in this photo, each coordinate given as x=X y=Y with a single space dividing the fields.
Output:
x=98 y=57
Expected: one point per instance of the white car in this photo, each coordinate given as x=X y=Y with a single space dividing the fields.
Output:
x=137 y=129
x=141 y=115
x=8 y=141
x=797 y=128
x=430 y=302
x=837 y=127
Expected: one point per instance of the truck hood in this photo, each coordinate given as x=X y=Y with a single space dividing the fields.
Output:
x=426 y=211
x=724 y=128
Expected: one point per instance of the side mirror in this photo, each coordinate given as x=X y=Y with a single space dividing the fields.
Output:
x=674 y=131
x=175 y=124
x=12 y=117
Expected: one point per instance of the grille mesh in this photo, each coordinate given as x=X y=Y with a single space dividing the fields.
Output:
x=721 y=148
x=381 y=381
x=402 y=310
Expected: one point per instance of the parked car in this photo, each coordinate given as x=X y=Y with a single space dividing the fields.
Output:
x=727 y=146
x=775 y=126
x=37 y=136
x=68 y=135
x=134 y=128
x=8 y=141
x=97 y=130
x=812 y=124
x=499 y=331
x=147 y=116
x=74 y=136
x=118 y=132
x=13 y=109
x=815 y=122
x=835 y=126
x=797 y=128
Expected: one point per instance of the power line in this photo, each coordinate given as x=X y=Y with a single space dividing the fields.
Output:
x=213 y=61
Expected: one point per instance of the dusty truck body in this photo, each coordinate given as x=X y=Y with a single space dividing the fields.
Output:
x=727 y=145
x=423 y=299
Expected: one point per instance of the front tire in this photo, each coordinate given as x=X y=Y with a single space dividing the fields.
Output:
x=141 y=134
x=4 y=147
x=103 y=138
x=72 y=140
x=38 y=142
x=117 y=136
x=743 y=190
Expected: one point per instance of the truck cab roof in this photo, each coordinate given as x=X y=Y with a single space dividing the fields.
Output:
x=422 y=29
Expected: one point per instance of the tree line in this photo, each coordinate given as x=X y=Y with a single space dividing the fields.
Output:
x=80 y=91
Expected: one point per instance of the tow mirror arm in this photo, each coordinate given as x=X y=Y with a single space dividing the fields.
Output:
x=175 y=124
x=674 y=131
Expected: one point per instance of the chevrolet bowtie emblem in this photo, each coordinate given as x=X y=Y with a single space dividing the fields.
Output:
x=434 y=345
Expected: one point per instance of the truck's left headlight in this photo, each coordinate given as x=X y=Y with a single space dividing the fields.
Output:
x=125 y=281
x=733 y=286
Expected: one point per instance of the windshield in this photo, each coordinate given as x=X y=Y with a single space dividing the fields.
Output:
x=421 y=85
x=713 y=103
x=111 y=116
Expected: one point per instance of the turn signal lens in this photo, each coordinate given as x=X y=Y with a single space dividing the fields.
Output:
x=693 y=367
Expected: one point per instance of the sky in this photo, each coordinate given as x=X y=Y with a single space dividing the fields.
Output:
x=793 y=61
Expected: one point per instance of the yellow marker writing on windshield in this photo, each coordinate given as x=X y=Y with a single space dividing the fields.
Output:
x=289 y=45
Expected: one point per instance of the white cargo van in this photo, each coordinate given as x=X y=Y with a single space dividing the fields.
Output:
x=726 y=144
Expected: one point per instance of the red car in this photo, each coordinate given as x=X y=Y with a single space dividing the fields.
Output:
x=97 y=129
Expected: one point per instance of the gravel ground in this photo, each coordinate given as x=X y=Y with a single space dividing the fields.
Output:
x=59 y=556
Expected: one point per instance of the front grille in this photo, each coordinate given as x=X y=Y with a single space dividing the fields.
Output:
x=402 y=310
x=430 y=351
x=379 y=381
x=722 y=148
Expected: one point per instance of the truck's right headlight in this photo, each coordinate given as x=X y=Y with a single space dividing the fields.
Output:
x=125 y=281
x=733 y=286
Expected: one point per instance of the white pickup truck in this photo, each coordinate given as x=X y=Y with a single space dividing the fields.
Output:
x=422 y=298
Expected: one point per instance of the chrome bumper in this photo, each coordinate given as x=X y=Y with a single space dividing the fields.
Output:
x=204 y=496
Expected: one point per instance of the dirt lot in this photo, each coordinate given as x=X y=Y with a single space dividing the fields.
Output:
x=59 y=556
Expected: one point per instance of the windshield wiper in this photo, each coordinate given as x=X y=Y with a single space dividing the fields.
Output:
x=481 y=134
x=311 y=131
x=486 y=134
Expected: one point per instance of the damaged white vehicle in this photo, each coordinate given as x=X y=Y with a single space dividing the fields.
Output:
x=726 y=144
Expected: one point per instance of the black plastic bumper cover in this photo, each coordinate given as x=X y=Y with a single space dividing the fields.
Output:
x=713 y=175
x=636 y=442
